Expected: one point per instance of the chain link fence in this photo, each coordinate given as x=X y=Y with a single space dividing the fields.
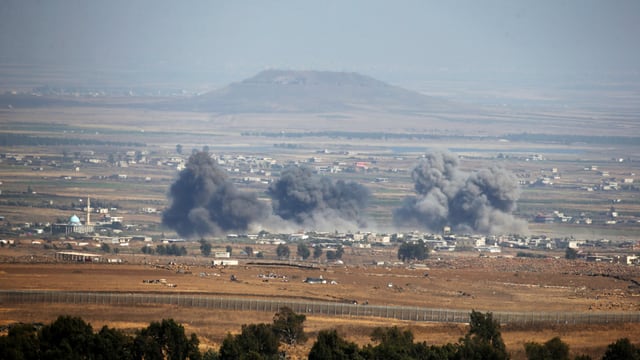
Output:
x=311 y=307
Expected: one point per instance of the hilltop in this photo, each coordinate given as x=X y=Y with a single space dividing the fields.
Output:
x=288 y=91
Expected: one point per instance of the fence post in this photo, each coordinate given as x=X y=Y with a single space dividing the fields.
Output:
x=320 y=307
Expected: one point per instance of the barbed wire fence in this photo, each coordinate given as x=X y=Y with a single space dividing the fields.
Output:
x=309 y=307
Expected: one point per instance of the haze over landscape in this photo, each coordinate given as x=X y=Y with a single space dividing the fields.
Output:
x=422 y=45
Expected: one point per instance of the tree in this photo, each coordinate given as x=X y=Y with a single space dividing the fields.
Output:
x=113 y=344
x=535 y=351
x=335 y=254
x=484 y=327
x=66 y=338
x=303 y=251
x=105 y=247
x=72 y=338
x=571 y=254
x=164 y=340
x=288 y=326
x=331 y=346
x=172 y=249
x=179 y=149
x=230 y=348
x=554 y=349
x=256 y=341
x=161 y=249
x=393 y=344
x=21 y=342
x=210 y=355
x=558 y=349
x=582 y=357
x=147 y=250
x=412 y=251
x=282 y=251
x=248 y=250
x=483 y=341
x=621 y=349
x=317 y=252
x=193 y=350
x=205 y=247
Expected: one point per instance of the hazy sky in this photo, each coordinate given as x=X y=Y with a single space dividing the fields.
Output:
x=393 y=40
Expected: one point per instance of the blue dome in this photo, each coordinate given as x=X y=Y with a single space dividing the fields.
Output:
x=74 y=220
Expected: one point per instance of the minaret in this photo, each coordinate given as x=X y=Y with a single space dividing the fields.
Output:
x=88 y=211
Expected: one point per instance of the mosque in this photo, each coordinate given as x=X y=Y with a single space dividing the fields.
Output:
x=74 y=225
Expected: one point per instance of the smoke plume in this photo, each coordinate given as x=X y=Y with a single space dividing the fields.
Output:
x=205 y=202
x=481 y=201
x=315 y=201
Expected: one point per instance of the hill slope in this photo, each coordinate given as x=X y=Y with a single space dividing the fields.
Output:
x=310 y=91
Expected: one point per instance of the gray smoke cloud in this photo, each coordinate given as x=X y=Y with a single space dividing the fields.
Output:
x=310 y=200
x=204 y=201
x=481 y=201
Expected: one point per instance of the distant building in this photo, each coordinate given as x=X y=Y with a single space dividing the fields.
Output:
x=77 y=256
x=72 y=226
x=544 y=218
x=228 y=262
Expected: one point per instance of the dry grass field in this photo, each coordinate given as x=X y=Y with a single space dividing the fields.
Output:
x=455 y=282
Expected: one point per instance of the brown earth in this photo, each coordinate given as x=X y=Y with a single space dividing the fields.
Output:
x=456 y=282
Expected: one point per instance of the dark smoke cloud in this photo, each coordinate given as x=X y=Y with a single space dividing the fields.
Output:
x=205 y=202
x=316 y=201
x=481 y=201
